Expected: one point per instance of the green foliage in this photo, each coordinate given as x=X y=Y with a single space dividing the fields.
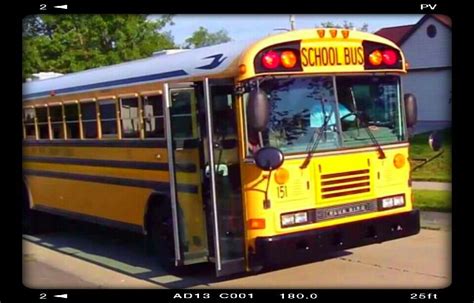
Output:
x=348 y=25
x=202 y=37
x=433 y=200
x=71 y=43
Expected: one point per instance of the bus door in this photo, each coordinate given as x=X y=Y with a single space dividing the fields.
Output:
x=222 y=173
x=184 y=156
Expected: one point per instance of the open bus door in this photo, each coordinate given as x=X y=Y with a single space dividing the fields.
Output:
x=226 y=213
x=184 y=157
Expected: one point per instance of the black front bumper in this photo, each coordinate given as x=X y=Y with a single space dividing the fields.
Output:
x=309 y=245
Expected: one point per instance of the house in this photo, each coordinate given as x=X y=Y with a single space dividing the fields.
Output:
x=427 y=48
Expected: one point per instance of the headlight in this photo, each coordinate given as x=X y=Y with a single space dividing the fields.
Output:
x=391 y=202
x=294 y=219
x=287 y=220
x=301 y=217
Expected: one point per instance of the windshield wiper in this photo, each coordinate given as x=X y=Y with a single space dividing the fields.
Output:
x=365 y=123
x=312 y=146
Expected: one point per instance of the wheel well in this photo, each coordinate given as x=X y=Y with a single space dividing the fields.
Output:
x=155 y=200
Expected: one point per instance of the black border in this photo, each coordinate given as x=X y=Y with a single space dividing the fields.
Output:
x=11 y=288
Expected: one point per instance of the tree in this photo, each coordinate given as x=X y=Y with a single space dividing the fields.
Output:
x=202 y=37
x=348 y=25
x=71 y=43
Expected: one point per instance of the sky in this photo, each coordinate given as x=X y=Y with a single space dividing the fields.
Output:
x=249 y=27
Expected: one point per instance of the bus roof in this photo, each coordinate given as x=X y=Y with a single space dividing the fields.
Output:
x=213 y=61
x=205 y=61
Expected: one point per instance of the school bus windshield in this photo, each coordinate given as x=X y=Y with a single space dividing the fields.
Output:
x=352 y=106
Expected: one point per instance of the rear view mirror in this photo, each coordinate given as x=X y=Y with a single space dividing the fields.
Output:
x=435 y=141
x=269 y=158
x=258 y=110
x=411 y=110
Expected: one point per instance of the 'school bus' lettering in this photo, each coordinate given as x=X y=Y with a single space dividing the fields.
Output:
x=331 y=56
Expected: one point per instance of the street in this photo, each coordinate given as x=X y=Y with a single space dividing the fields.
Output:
x=87 y=256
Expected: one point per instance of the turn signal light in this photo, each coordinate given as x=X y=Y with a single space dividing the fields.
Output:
x=399 y=160
x=376 y=57
x=242 y=69
x=256 y=223
x=288 y=59
x=282 y=175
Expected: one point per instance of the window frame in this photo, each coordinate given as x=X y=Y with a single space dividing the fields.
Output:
x=139 y=118
x=78 y=121
x=35 y=128
x=56 y=122
x=116 y=119
x=144 y=97
x=83 y=121
x=46 y=123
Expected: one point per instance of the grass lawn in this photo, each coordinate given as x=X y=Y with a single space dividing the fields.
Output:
x=440 y=168
x=433 y=200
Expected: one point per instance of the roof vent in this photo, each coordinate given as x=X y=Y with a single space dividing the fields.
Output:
x=168 y=52
x=44 y=75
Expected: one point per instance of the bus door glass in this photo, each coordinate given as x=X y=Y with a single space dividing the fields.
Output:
x=189 y=223
x=224 y=185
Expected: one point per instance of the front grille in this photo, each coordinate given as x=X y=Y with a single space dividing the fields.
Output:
x=345 y=183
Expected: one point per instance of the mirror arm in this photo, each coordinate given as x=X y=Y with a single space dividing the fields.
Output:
x=426 y=160
x=267 y=202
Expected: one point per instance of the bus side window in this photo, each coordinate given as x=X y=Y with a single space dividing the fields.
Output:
x=108 y=118
x=223 y=114
x=89 y=120
x=29 y=121
x=42 y=116
x=71 y=113
x=56 y=116
x=129 y=114
x=181 y=111
x=153 y=118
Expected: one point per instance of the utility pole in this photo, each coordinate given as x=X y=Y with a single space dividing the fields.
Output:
x=292 y=22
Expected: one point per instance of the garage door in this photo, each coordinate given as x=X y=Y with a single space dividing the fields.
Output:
x=433 y=92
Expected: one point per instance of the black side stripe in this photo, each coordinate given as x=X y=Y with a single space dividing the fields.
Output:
x=181 y=167
x=158 y=186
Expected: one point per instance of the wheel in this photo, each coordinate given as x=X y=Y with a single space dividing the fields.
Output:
x=161 y=236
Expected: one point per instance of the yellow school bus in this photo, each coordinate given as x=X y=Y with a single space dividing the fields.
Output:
x=245 y=154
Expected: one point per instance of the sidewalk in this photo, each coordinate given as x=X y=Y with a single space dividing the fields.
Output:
x=431 y=185
x=435 y=220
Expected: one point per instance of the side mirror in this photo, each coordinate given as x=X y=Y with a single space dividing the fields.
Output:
x=435 y=141
x=269 y=158
x=258 y=110
x=411 y=110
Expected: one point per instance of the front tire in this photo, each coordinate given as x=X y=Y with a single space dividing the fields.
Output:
x=161 y=236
